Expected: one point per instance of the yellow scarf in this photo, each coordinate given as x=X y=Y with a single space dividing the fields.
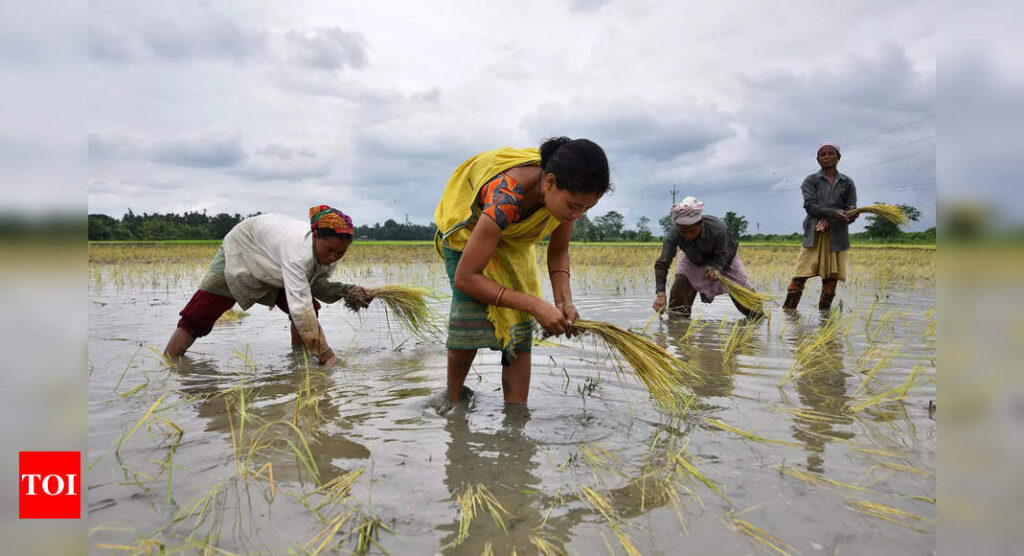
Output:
x=514 y=262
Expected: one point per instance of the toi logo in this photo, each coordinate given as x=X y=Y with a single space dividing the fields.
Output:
x=49 y=485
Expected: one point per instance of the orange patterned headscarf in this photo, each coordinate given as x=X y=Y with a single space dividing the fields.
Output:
x=323 y=216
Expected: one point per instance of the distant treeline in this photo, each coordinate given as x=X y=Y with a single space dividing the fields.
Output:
x=606 y=228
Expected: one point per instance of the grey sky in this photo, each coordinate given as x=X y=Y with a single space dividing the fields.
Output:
x=275 y=107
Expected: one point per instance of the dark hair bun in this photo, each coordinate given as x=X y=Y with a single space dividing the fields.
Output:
x=550 y=147
x=579 y=165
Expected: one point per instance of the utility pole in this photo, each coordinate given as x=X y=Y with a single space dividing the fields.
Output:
x=674 y=191
x=758 y=227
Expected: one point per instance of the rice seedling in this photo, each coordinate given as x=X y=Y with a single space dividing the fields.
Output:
x=546 y=547
x=231 y=315
x=905 y=468
x=323 y=538
x=741 y=335
x=748 y=435
x=408 y=304
x=816 y=479
x=474 y=499
x=760 y=536
x=601 y=461
x=748 y=298
x=600 y=503
x=887 y=513
x=891 y=213
x=368 y=534
x=656 y=368
x=811 y=348
x=337 y=489
x=894 y=394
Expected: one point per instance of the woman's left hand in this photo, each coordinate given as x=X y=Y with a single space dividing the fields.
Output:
x=568 y=310
x=359 y=297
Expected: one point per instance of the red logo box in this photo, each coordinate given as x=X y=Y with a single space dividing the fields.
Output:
x=49 y=485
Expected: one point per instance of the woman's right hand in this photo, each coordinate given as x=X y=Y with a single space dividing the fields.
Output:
x=550 y=318
x=659 y=302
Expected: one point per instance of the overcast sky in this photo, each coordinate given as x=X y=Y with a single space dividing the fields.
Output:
x=241 y=107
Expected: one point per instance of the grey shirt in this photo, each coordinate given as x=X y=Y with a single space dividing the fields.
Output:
x=714 y=247
x=822 y=200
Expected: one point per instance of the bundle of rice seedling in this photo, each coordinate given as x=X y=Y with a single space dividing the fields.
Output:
x=409 y=305
x=891 y=213
x=745 y=296
x=655 y=367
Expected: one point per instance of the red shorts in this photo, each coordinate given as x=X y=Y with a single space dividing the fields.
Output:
x=203 y=310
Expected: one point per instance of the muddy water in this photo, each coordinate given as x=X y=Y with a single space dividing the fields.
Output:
x=196 y=471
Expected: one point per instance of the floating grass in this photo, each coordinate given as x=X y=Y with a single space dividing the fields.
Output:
x=892 y=213
x=748 y=298
x=656 y=368
x=409 y=305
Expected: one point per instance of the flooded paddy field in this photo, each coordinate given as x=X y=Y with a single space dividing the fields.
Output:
x=805 y=433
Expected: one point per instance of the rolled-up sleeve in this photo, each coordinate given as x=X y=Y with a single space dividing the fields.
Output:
x=300 y=306
x=668 y=252
x=328 y=291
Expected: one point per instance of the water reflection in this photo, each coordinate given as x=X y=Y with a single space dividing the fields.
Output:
x=263 y=408
x=821 y=387
x=506 y=462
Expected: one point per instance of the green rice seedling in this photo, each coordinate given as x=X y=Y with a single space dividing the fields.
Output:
x=546 y=547
x=683 y=466
x=338 y=488
x=816 y=479
x=656 y=368
x=323 y=538
x=906 y=468
x=124 y=438
x=741 y=335
x=600 y=460
x=748 y=435
x=891 y=213
x=887 y=513
x=231 y=315
x=408 y=304
x=471 y=501
x=600 y=503
x=756 y=533
x=881 y=357
x=894 y=394
x=368 y=533
x=748 y=298
x=488 y=550
x=807 y=357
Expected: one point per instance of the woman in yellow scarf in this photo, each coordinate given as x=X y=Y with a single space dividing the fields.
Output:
x=496 y=207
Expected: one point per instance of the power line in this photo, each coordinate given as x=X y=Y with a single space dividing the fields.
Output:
x=861 y=140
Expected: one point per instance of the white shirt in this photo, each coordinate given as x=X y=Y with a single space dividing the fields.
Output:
x=269 y=252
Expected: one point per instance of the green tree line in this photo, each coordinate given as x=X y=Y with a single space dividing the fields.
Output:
x=610 y=226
